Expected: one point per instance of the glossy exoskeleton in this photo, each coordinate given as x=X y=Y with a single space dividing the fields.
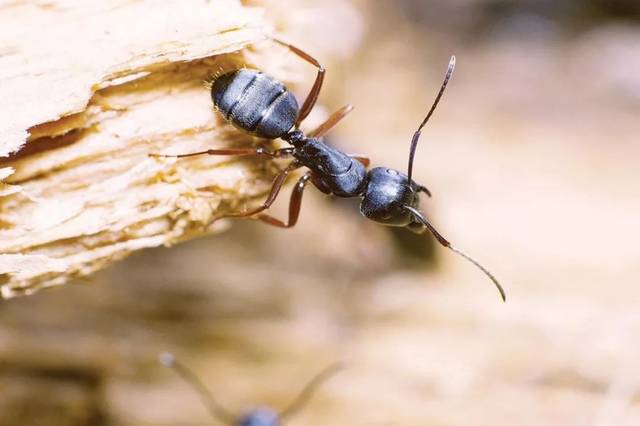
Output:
x=261 y=416
x=262 y=106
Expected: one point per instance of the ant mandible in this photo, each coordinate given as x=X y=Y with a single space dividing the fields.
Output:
x=262 y=416
x=262 y=106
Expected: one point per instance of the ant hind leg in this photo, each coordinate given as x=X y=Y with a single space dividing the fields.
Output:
x=275 y=190
x=312 y=97
x=294 y=205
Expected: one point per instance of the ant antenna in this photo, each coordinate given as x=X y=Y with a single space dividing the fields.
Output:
x=217 y=411
x=416 y=135
x=307 y=392
x=420 y=217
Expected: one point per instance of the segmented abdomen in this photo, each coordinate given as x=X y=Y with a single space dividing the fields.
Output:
x=255 y=102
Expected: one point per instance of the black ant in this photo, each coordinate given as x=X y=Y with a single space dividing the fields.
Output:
x=262 y=106
x=262 y=416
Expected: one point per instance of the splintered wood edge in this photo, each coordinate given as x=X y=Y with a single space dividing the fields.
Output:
x=83 y=193
x=56 y=57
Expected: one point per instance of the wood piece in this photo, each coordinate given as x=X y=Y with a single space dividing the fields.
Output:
x=89 y=89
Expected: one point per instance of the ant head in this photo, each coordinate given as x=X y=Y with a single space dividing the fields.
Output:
x=391 y=197
x=387 y=195
x=262 y=416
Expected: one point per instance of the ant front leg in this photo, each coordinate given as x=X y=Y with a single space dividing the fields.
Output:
x=275 y=190
x=278 y=153
x=294 y=205
x=312 y=97
x=422 y=188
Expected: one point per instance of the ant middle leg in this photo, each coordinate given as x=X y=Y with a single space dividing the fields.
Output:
x=294 y=205
x=278 y=153
x=364 y=160
x=312 y=97
x=330 y=122
x=275 y=190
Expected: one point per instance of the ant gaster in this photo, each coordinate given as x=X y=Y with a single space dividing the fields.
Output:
x=262 y=416
x=262 y=106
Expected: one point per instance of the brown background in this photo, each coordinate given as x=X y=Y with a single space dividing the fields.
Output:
x=532 y=159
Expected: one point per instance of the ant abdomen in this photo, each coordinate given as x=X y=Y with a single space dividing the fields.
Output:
x=255 y=102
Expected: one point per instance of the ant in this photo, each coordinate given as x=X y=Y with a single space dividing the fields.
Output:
x=262 y=416
x=262 y=106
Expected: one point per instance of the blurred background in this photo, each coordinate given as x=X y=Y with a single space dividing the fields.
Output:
x=532 y=159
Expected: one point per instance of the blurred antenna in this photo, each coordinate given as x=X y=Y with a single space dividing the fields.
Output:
x=307 y=392
x=216 y=410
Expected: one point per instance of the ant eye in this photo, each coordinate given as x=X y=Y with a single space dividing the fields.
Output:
x=392 y=172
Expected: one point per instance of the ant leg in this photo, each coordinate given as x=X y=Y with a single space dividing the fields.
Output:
x=278 y=153
x=294 y=205
x=312 y=97
x=333 y=119
x=364 y=160
x=424 y=189
x=275 y=190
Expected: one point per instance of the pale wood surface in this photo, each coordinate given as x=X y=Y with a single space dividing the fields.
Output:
x=88 y=89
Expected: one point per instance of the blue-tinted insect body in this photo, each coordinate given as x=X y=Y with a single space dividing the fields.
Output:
x=261 y=105
x=261 y=416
